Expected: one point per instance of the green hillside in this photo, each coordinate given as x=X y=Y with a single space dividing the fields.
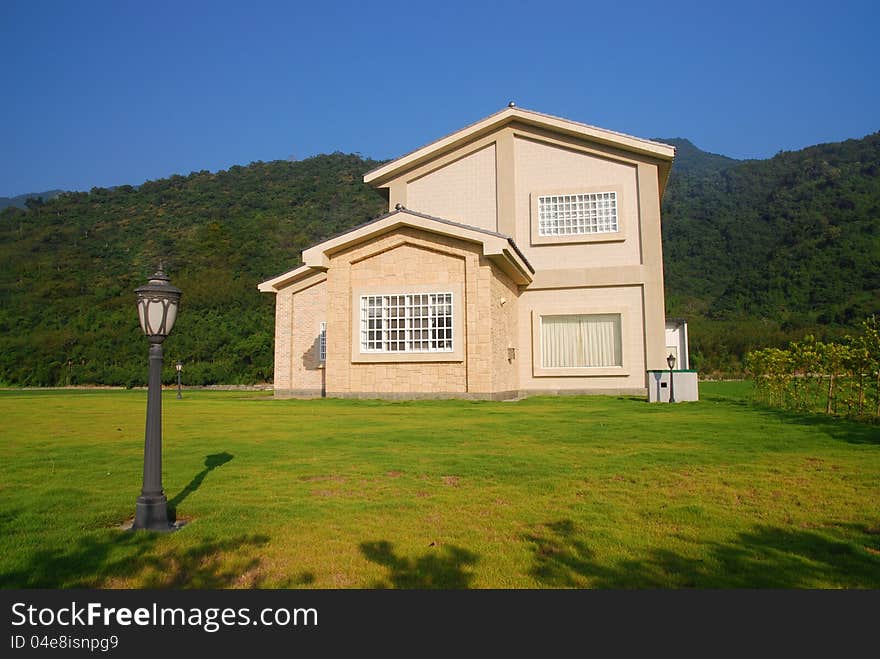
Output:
x=68 y=269
x=691 y=160
x=756 y=252
x=761 y=251
x=23 y=200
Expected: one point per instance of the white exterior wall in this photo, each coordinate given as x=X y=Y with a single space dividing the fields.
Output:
x=676 y=343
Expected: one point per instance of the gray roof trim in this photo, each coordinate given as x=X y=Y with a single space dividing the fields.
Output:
x=434 y=218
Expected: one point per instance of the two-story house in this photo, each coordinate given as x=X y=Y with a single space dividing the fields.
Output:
x=520 y=255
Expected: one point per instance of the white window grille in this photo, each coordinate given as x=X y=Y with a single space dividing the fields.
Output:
x=322 y=343
x=580 y=341
x=573 y=214
x=406 y=322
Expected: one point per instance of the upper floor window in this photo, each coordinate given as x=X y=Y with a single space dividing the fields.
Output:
x=406 y=322
x=576 y=214
x=322 y=343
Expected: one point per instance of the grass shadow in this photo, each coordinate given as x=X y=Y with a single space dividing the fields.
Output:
x=838 y=428
x=764 y=557
x=841 y=429
x=440 y=568
x=114 y=557
x=211 y=462
x=560 y=558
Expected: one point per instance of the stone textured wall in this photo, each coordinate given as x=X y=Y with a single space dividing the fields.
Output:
x=283 y=322
x=309 y=310
x=505 y=300
x=398 y=262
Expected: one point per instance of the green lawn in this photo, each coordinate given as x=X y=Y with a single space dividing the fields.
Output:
x=596 y=492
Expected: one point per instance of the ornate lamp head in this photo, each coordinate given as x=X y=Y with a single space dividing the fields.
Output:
x=157 y=303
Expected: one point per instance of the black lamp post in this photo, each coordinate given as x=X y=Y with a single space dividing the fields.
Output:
x=179 y=367
x=157 y=303
x=671 y=363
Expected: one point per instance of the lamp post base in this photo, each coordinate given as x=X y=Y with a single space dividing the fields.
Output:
x=151 y=514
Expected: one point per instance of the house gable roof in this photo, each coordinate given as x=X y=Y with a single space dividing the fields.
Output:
x=382 y=174
x=496 y=246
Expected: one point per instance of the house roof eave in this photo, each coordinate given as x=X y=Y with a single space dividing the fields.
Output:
x=382 y=174
x=285 y=279
x=498 y=247
x=494 y=244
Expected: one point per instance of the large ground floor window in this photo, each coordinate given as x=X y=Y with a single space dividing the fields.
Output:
x=580 y=341
x=406 y=322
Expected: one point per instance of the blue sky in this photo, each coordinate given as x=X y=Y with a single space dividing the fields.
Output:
x=109 y=93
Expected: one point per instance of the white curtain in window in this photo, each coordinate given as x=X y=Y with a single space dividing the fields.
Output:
x=580 y=341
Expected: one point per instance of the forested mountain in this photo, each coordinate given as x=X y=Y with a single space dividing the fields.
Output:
x=691 y=160
x=755 y=252
x=22 y=200
x=761 y=251
x=68 y=269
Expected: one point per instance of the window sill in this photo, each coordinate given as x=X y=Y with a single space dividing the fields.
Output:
x=405 y=357
x=581 y=238
x=595 y=371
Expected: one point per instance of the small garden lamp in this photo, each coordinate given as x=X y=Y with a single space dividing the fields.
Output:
x=179 y=367
x=157 y=303
x=670 y=361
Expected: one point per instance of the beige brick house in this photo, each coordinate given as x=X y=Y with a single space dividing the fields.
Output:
x=520 y=255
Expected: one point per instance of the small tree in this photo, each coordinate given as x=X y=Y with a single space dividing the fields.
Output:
x=785 y=377
x=833 y=359
x=805 y=366
x=868 y=347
